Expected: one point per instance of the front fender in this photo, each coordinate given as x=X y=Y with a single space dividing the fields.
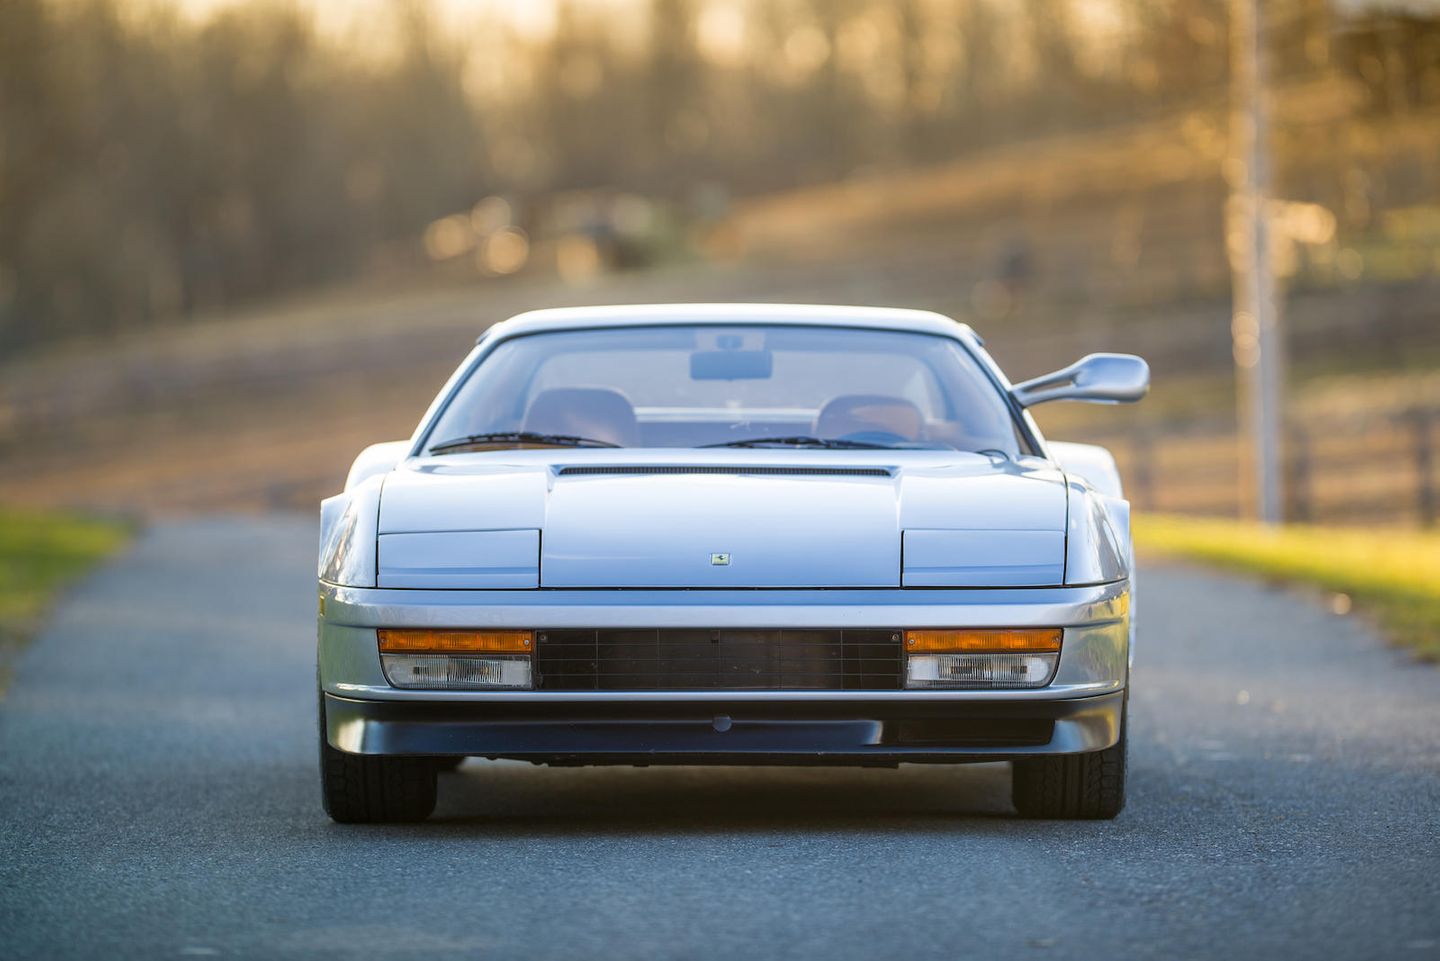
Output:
x=1091 y=462
x=1097 y=537
x=374 y=460
x=349 y=523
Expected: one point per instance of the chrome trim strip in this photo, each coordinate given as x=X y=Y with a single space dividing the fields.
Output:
x=872 y=608
x=1055 y=692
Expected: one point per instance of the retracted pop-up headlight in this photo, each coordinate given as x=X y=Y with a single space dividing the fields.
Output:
x=1004 y=658
x=452 y=660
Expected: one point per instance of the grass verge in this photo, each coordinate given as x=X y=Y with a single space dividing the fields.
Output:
x=1394 y=574
x=41 y=552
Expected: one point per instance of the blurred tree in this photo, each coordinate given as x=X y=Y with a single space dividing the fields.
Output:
x=1394 y=56
x=978 y=77
x=676 y=123
x=1184 y=51
x=916 y=125
x=152 y=166
x=149 y=167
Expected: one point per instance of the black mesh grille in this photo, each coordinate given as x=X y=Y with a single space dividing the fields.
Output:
x=730 y=469
x=724 y=660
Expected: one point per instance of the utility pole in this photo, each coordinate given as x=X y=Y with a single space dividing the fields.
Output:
x=1255 y=326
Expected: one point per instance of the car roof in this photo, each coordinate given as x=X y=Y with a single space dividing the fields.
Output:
x=652 y=315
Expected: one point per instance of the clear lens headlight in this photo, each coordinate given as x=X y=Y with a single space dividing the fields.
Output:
x=449 y=672
x=982 y=657
x=979 y=670
x=456 y=660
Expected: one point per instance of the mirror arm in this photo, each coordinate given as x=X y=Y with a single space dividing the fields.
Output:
x=1097 y=378
x=1049 y=386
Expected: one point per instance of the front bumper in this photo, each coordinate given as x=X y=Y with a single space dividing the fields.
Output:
x=1079 y=711
x=719 y=730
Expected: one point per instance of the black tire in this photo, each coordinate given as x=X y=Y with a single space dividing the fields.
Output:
x=1072 y=786
x=366 y=789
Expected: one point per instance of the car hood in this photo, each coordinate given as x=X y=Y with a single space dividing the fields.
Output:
x=706 y=519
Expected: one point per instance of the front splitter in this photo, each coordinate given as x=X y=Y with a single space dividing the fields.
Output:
x=719 y=731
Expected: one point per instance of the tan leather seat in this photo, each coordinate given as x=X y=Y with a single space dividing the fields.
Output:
x=861 y=413
x=596 y=413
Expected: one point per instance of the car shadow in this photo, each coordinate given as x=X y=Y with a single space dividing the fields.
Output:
x=517 y=797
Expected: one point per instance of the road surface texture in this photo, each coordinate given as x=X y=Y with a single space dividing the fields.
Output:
x=158 y=798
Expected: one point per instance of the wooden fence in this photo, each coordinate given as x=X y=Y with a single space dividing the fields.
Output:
x=1354 y=469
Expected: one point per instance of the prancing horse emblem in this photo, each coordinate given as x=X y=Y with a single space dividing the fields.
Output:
x=720 y=560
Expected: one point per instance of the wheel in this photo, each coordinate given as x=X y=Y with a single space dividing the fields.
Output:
x=365 y=789
x=1072 y=786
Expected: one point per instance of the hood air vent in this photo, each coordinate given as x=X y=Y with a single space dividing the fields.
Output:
x=642 y=469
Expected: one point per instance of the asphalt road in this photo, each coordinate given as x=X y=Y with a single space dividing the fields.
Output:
x=158 y=798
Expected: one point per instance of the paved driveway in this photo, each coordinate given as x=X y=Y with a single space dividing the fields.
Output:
x=158 y=799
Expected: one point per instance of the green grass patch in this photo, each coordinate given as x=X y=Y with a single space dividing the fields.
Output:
x=41 y=552
x=1394 y=574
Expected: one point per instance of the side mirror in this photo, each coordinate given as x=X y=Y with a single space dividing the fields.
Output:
x=1097 y=378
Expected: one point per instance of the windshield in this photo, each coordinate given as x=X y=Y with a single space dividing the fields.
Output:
x=698 y=386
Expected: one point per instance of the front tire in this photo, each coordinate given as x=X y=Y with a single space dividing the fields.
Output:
x=1072 y=786
x=366 y=789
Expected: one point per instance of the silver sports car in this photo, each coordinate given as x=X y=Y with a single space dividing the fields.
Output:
x=731 y=534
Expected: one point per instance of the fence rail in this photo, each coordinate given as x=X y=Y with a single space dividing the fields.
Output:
x=1375 y=468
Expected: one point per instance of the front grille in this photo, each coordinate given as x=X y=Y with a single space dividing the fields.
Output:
x=722 y=660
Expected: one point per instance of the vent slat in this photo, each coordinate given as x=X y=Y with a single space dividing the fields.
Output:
x=759 y=469
x=684 y=659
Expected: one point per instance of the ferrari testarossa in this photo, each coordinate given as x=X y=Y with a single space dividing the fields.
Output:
x=733 y=534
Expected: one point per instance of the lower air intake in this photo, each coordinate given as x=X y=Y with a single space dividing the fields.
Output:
x=718 y=660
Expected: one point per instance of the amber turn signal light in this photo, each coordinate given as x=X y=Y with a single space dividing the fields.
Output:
x=990 y=641
x=393 y=641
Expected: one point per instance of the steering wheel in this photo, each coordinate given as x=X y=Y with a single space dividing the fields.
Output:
x=877 y=437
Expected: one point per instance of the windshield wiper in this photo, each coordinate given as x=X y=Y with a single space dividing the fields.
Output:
x=516 y=437
x=801 y=441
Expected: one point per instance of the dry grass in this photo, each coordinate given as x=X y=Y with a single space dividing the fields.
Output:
x=1395 y=574
x=39 y=554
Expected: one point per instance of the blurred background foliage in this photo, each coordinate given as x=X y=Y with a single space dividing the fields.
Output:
x=154 y=166
x=281 y=223
x=159 y=161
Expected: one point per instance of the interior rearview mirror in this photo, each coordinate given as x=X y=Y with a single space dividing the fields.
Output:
x=731 y=365
x=1097 y=378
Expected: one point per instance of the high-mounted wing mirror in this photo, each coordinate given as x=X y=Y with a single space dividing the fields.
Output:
x=1097 y=378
